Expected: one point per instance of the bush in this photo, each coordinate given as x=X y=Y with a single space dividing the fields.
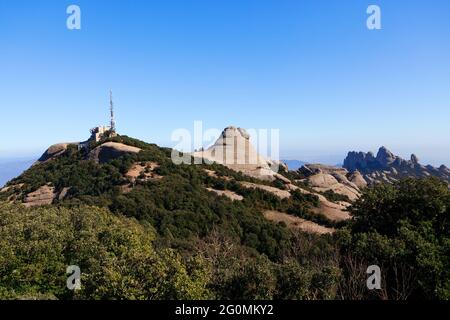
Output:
x=115 y=255
x=404 y=228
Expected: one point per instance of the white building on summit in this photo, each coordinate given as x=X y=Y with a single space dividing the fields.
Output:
x=101 y=132
x=98 y=133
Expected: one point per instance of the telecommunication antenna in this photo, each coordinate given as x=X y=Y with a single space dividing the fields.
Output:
x=111 y=108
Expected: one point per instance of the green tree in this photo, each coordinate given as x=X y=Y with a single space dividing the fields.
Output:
x=115 y=254
x=404 y=228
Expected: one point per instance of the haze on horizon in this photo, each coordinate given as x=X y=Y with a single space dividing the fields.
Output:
x=309 y=68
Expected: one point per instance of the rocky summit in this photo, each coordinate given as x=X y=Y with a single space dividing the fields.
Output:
x=388 y=167
x=234 y=150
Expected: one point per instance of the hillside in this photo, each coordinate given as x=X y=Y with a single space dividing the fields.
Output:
x=142 y=227
x=192 y=208
x=127 y=175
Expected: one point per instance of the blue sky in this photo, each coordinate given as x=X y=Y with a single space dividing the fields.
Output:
x=310 y=68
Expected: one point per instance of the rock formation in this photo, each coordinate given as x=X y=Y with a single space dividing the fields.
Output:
x=324 y=178
x=110 y=150
x=54 y=151
x=234 y=150
x=296 y=222
x=44 y=195
x=387 y=167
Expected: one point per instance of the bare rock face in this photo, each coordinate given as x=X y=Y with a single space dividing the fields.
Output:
x=359 y=161
x=42 y=196
x=385 y=157
x=333 y=211
x=227 y=193
x=387 y=167
x=110 y=150
x=296 y=222
x=282 y=194
x=337 y=183
x=63 y=193
x=54 y=151
x=414 y=159
x=322 y=178
x=234 y=150
x=321 y=168
x=357 y=178
x=143 y=172
x=103 y=153
x=444 y=170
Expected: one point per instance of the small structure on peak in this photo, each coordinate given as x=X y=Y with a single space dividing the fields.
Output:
x=101 y=132
x=98 y=133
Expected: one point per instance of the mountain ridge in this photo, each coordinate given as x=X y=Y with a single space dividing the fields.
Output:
x=388 y=167
x=68 y=172
x=113 y=171
x=229 y=235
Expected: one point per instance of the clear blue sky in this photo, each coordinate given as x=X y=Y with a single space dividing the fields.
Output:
x=310 y=68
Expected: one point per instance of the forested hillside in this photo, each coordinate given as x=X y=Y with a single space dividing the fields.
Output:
x=141 y=227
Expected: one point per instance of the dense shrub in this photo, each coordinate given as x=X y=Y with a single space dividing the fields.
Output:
x=403 y=228
x=115 y=255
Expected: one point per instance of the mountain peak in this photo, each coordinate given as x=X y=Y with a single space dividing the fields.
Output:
x=232 y=131
x=387 y=167
x=414 y=159
x=385 y=157
x=233 y=149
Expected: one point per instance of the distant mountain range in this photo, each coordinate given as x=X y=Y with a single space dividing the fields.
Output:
x=11 y=168
x=361 y=169
x=387 y=167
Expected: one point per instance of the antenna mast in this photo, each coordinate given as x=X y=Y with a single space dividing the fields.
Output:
x=111 y=109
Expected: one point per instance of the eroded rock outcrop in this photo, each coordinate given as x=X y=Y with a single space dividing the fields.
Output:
x=54 y=151
x=282 y=194
x=227 y=193
x=387 y=167
x=234 y=150
x=296 y=222
x=357 y=178
x=110 y=150
x=324 y=178
x=42 y=196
